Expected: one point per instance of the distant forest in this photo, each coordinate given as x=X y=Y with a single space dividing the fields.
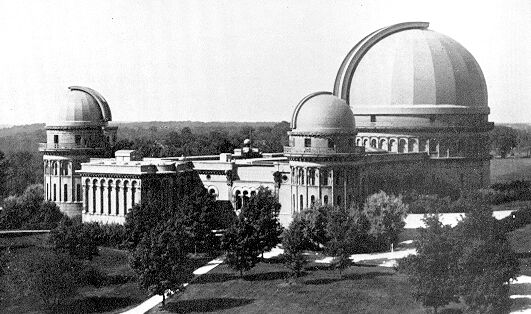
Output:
x=21 y=162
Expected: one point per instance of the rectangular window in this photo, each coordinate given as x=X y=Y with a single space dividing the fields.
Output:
x=78 y=139
x=56 y=139
x=307 y=142
x=331 y=143
x=373 y=118
x=54 y=192
x=65 y=193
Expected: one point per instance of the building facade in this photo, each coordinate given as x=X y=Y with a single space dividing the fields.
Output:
x=408 y=111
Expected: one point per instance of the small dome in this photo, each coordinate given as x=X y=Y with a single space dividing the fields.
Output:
x=409 y=69
x=82 y=107
x=322 y=112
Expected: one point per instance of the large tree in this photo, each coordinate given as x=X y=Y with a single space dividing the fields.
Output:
x=433 y=269
x=503 y=139
x=262 y=212
x=241 y=244
x=386 y=215
x=160 y=259
x=486 y=260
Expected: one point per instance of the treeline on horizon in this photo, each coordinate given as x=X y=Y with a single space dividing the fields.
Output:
x=21 y=162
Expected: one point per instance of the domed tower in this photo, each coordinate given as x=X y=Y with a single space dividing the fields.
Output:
x=80 y=131
x=415 y=90
x=322 y=153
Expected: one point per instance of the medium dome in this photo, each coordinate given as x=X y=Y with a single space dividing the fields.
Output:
x=82 y=107
x=408 y=69
x=322 y=112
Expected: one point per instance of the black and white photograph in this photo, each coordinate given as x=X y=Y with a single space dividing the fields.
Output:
x=283 y=156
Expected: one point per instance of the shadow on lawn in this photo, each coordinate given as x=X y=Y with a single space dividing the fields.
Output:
x=322 y=281
x=205 y=305
x=95 y=305
x=222 y=277
x=369 y=275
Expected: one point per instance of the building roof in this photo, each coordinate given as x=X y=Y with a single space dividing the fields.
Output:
x=82 y=107
x=409 y=69
x=322 y=112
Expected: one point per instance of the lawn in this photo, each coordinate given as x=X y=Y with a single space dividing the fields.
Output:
x=119 y=292
x=266 y=289
x=509 y=169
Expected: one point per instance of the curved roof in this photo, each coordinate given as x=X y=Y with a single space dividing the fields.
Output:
x=83 y=107
x=408 y=69
x=322 y=112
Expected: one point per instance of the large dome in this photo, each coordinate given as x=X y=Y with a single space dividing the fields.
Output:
x=408 y=69
x=322 y=112
x=83 y=107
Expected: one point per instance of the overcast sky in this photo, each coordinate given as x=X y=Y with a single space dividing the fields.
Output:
x=232 y=60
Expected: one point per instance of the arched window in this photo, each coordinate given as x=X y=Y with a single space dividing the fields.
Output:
x=109 y=197
x=301 y=200
x=301 y=176
x=373 y=143
x=312 y=200
x=126 y=188
x=86 y=200
x=383 y=144
x=245 y=198
x=117 y=197
x=238 y=199
x=413 y=145
x=422 y=145
x=324 y=177
x=65 y=192
x=325 y=200
x=94 y=188
x=402 y=144
x=393 y=147
x=366 y=142
x=133 y=191
x=358 y=142
x=102 y=196
x=54 y=192
x=311 y=176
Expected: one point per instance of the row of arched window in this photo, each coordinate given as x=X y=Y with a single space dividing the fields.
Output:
x=110 y=197
x=242 y=196
x=433 y=146
x=57 y=167
x=310 y=175
x=53 y=194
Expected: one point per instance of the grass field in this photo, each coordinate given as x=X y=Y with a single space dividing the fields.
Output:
x=509 y=169
x=119 y=293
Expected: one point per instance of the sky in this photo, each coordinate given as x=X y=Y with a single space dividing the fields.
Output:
x=218 y=60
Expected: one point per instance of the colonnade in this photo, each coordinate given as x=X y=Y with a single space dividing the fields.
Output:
x=110 y=196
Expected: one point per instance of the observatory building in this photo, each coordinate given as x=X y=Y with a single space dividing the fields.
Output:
x=408 y=111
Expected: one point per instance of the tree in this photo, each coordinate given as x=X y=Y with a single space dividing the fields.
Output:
x=141 y=219
x=386 y=215
x=29 y=211
x=346 y=232
x=503 y=139
x=75 y=239
x=45 y=275
x=486 y=261
x=262 y=211
x=432 y=271
x=241 y=245
x=160 y=259
x=198 y=213
x=315 y=220
x=294 y=244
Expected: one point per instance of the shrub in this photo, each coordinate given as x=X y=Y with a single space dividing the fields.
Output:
x=74 y=238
